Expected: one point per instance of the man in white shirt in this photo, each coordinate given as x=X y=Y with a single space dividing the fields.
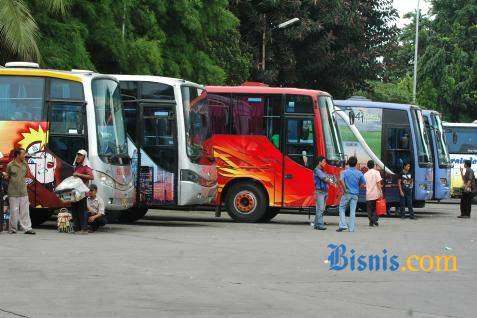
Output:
x=96 y=215
x=373 y=191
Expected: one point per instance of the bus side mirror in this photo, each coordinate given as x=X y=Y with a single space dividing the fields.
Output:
x=352 y=117
x=454 y=137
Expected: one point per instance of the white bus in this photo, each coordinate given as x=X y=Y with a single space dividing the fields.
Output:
x=462 y=143
x=167 y=120
x=52 y=114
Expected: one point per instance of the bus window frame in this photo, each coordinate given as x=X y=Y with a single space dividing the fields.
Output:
x=48 y=103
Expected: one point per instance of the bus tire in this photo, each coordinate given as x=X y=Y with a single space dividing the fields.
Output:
x=133 y=214
x=270 y=214
x=39 y=216
x=246 y=202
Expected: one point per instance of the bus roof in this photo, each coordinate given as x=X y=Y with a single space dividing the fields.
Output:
x=248 y=89
x=469 y=125
x=151 y=78
x=73 y=75
x=371 y=104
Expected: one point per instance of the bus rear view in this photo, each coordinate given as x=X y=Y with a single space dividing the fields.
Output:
x=265 y=141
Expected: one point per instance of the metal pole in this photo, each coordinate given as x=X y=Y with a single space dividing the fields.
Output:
x=416 y=45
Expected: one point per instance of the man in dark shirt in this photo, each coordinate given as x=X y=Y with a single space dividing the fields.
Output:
x=321 y=189
x=406 y=184
x=469 y=190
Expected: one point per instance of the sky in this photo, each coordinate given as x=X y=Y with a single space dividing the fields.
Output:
x=404 y=6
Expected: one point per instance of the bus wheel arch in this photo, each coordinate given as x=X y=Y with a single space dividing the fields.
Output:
x=246 y=199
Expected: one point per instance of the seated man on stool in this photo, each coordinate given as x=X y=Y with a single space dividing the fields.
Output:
x=95 y=204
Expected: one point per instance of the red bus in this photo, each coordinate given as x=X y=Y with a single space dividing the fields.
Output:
x=265 y=141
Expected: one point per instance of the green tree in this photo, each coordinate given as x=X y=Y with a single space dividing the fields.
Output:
x=447 y=78
x=335 y=47
x=18 y=29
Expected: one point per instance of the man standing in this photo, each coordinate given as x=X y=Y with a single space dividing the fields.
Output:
x=351 y=180
x=85 y=173
x=373 y=192
x=405 y=185
x=469 y=190
x=321 y=189
x=17 y=192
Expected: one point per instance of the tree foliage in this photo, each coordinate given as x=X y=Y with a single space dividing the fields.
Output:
x=197 y=40
x=448 y=67
x=335 y=47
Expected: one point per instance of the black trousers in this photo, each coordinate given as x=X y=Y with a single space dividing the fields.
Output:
x=466 y=203
x=371 y=209
x=80 y=214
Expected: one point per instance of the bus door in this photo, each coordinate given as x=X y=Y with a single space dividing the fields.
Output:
x=158 y=142
x=67 y=134
x=299 y=150
x=396 y=144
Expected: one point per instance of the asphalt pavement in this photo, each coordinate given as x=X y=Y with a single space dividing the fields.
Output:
x=191 y=264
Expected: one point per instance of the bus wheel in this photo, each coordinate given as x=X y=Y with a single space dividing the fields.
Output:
x=133 y=214
x=271 y=213
x=39 y=216
x=246 y=202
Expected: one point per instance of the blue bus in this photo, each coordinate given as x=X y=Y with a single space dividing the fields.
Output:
x=392 y=135
x=442 y=163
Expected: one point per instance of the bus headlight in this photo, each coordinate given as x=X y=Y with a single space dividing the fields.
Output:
x=110 y=182
x=192 y=176
x=444 y=182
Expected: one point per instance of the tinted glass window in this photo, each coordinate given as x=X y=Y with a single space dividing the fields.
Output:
x=158 y=91
x=66 y=119
x=300 y=142
x=462 y=140
x=130 y=118
x=21 y=98
x=299 y=104
x=129 y=91
x=158 y=127
x=248 y=115
x=63 y=89
x=219 y=113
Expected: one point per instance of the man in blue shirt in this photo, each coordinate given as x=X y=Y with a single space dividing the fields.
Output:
x=351 y=181
x=321 y=189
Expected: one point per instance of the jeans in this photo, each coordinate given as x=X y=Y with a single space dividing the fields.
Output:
x=352 y=200
x=320 y=208
x=101 y=221
x=406 y=201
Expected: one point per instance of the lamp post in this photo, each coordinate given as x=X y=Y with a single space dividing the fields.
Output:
x=282 y=25
x=416 y=45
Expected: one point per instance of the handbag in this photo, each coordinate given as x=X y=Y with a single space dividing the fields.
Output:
x=381 y=206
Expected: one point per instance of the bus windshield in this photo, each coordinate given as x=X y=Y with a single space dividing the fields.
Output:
x=442 y=153
x=109 y=119
x=422 y=138
x=196 y=121
x=330 y=131
x=462 y=140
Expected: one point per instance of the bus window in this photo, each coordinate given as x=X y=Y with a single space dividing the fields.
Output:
x=300 y=145
x=462 y=140
x=158 y=91
x=301 y=104
x=396 y=139
x=67 y=130
x=63 y=89
x=21 y=98
x=247 y=115
x=219 y=113
x=273 y=111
